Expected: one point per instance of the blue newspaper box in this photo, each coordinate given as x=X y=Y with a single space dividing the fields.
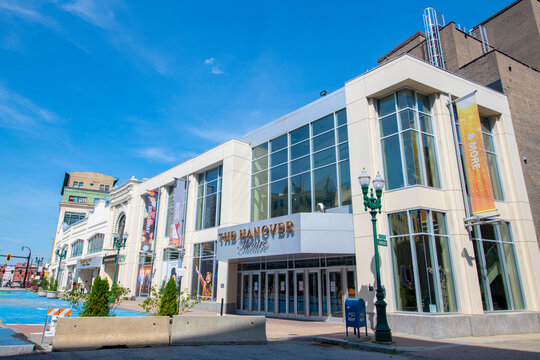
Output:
x=355 y=315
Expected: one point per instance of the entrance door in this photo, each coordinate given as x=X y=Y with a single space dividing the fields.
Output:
x=336 y=294
x=255 y=291
x=300 y=294
x=314 y=298
x=271 y=293
x=245 y=292
x=282 y=293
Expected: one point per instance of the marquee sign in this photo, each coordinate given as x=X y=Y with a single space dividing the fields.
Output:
x=290 y=234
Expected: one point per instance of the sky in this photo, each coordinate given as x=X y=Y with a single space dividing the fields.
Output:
x=133 y=88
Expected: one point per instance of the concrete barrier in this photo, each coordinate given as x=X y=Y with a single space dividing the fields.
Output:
x=227 y=329
x=98 y=332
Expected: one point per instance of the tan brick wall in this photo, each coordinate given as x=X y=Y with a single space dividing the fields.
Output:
x=88 y=178
x=414 y=46
x=516 y=32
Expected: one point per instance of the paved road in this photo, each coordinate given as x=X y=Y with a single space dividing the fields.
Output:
x=277 y=350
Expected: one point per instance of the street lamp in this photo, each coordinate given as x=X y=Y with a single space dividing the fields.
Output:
x=373 y=203
x=61 y=254
x=39 y=262
x=27 y=263
x=119 y=243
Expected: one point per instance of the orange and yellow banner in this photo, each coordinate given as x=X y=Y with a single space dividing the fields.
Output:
x=474 y=155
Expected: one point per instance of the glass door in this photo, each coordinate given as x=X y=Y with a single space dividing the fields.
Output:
x=314 y=298
x=271 y=293
x=336 y=294
x=282 y=293
x=255 y=292
x=300 y=294
x=245 y=292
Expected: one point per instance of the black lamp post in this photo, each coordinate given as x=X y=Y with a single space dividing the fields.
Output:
x=27 y=263
x=119 y=242
x=373 y=203
x=61 y=255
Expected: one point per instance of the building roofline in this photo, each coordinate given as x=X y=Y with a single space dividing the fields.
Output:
x=402 y=44
x=498 y=13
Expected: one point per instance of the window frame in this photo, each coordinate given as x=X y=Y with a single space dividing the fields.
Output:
x=431 y=234
x=399 y=133
x=202 y=182
x=336 y=162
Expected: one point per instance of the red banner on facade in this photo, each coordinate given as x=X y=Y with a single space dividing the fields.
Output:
x=474 y=155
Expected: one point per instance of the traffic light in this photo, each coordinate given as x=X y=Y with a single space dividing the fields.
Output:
x=8 y=257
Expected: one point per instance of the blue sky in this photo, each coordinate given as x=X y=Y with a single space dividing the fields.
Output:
x=132 y=88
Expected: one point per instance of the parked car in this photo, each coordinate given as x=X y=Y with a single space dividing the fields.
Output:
x=15 y=284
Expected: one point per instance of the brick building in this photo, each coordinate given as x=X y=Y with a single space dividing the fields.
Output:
x=502 y=52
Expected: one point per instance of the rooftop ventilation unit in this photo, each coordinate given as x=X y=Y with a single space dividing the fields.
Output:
x=432 y=21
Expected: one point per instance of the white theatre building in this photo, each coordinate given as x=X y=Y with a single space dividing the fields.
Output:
x=274 y=223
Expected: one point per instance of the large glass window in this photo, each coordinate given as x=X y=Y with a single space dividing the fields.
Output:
x=407 y=140
x=491 y=154
x=71 y=218
x=295 y=171
x=77 y=248
x=95 y=244
x=205 y=270
x=497 y=268
x=422 y=263
x=209 y=199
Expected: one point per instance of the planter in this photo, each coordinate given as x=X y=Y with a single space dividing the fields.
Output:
x=42 y=292
x=51 y=295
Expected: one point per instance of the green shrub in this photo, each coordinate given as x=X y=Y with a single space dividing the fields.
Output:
x=44 y=284
x=169 y=300
x=98 y=299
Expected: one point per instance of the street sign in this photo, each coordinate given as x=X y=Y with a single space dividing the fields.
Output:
x=382 y=242
x=382 y=237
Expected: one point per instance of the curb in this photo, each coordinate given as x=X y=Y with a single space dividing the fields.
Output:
x=360 y=345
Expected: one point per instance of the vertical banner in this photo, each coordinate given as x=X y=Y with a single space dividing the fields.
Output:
x=474 y=155
x=149 y=221
x=177 y=221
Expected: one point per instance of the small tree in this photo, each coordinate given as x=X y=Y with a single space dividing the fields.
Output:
x=76 y=298
x=169 y=300
x=116 y=296
x=98 y=299
x=44 y=284
x=152 y=304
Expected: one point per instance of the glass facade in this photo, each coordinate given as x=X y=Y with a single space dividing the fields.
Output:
x=205 y=270
x=209 y=199
x=491 y=154
x=497 y=268
x=95 y=244
x=295 y=171
x=422 y=266
x=407 y=140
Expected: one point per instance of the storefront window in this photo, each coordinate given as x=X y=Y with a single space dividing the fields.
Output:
x=144 y=277
x=407 y=140
x=497 y=269
x=421 y=259
x=294 y=172
x=209 y=199
x=205 y=269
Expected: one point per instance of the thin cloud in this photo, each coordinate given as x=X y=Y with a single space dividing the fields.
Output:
x=214 y=135
x=162 y=155
x=27 y=13
x=216 y=70
x=20 y=113
x=209 y=61
x=93 y=12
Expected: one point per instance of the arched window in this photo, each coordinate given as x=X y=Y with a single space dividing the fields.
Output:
x=121 y=225
x=77 y=248
x=95 y=244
